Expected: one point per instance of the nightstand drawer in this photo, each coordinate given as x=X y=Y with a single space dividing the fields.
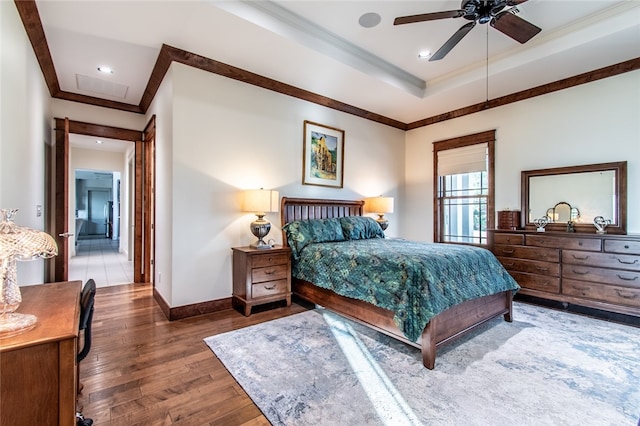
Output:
x=269 y=288
x=269 y=273
x=259 y=261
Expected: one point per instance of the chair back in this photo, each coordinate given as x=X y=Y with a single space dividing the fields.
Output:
x=87 y=301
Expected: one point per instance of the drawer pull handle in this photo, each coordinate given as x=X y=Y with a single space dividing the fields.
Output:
x=626 y=295
x=542 y=269
x=581 y=288
x=580 y=243
x=269 y=287
x=627 y=279
x=269 y=272
x=626 y=246
x=580 y=272
x=508 y=251
x=580 y=258
x=508 y=265
x=628 y=263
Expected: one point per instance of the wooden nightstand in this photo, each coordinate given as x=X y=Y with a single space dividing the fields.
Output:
x=261 y=276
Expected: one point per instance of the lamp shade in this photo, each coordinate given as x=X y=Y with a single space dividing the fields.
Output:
x=380 y=204
x=260 y=201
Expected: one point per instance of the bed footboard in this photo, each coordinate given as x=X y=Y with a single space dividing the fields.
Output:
x=445 y=327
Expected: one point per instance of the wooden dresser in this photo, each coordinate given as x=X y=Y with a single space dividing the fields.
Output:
x=38 y=367
x=261 y=276
x=597 y=271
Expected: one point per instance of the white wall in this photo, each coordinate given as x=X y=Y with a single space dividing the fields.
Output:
x=229 y=136
x=162 y=108
x=597 y=122
x=24 y=131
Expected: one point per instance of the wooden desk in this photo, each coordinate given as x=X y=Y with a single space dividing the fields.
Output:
x=38 y=367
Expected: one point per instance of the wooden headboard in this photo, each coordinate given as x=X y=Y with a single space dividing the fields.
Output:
x=309 y=208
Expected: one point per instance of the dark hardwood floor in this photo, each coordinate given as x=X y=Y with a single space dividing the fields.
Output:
x=144 y=370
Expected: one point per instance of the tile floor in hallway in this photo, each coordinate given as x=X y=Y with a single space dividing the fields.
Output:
x=100 y=259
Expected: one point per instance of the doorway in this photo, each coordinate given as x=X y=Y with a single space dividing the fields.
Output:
x=99 y=251
x=63 y=220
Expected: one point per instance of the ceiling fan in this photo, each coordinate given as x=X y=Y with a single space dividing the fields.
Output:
x=498 y=13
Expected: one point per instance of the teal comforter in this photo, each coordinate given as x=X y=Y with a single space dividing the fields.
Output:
x=415 y=280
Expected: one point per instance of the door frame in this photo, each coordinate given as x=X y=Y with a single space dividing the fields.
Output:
x=60 y=208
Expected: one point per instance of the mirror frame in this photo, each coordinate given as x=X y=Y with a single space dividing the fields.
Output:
x=620 y=172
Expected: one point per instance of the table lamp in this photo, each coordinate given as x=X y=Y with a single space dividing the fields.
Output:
x=260 y=202
x=380 y=206
x=18 y=243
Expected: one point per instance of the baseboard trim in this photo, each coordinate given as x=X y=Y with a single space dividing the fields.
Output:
x=195 y=309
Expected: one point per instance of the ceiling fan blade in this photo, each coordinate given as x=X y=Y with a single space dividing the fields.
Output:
x=428 y=17
x=514 y=26
x=453 y=40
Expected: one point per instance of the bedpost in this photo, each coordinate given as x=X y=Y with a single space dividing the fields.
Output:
x=508 y=316
x=428 y=346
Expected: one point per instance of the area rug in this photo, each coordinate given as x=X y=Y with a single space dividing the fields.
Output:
x=547 y=367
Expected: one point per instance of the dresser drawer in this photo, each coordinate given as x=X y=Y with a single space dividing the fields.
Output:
x=269 y=288
x=537 y=282
x=570 y=243
x=269 y=260
x=269 y=273
x=523 y=252
x=622 y=246
x=530 y=266
x=605 y=260
x=599 y=275
x=502 y=238
x=602 y=292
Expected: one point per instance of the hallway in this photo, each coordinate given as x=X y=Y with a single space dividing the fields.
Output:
x=98 y=258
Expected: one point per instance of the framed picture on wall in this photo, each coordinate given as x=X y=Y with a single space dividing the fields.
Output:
x=323 y=155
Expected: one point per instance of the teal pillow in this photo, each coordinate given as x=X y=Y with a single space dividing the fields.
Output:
x=300 y=233
x=360 y=228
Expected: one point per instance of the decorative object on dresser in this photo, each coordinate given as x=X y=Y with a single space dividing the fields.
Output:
x=596 y=271
x=541 y=223
x=601 y=223
x=322 y=155
x=589 y=191
x=261 y=276
x=260 y=202
x=380 y=206
x=509 y=219
x=18 y=243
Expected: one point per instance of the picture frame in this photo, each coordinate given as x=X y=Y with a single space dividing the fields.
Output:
x=322 y=155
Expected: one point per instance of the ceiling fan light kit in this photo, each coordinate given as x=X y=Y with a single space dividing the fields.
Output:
x=497 y=13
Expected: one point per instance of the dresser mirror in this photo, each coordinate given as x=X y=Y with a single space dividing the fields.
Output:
x=576 y=194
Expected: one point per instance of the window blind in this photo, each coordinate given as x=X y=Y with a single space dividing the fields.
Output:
x=467 y=159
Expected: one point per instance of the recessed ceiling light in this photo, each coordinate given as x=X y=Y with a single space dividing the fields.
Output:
x=106 y=70
x=99 y=142
x=424 y=55
x=369 y=20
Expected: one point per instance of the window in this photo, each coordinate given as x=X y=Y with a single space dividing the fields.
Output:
x=463 y=188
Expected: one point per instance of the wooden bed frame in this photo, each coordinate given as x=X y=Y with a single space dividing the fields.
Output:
x=443 y=328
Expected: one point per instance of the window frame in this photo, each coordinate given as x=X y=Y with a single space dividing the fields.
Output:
x=487 y=137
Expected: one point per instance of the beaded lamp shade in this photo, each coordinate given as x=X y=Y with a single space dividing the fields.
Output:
x=18 y=243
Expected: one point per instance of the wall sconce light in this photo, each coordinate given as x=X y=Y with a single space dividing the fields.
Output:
x=260 y=202
x=18 y=243
x=380 y=206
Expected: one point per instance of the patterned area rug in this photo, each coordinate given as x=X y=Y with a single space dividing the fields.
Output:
x=545 y=368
